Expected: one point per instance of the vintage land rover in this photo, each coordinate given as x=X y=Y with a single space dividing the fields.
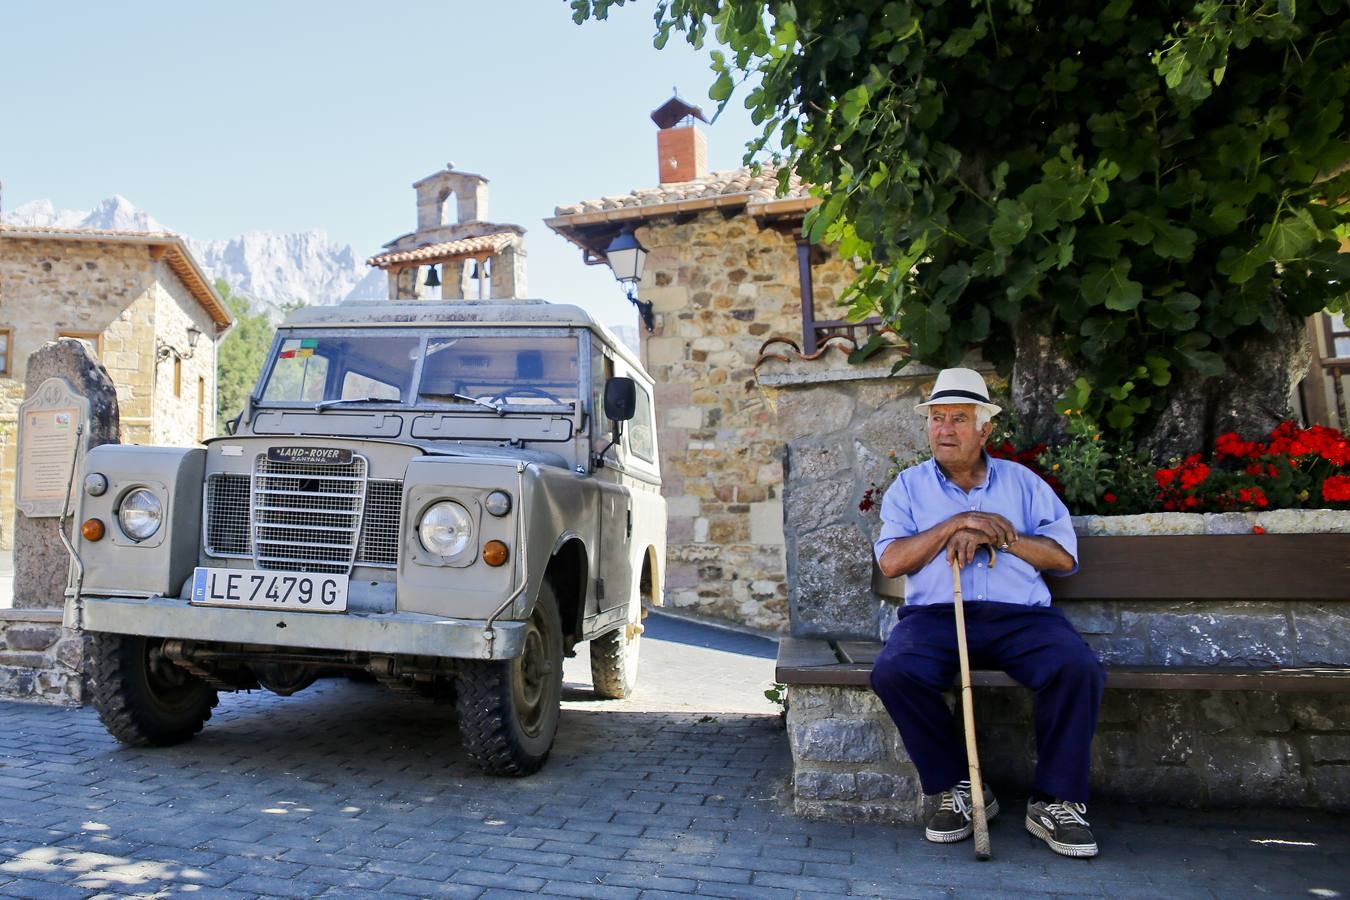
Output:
x=448 y=497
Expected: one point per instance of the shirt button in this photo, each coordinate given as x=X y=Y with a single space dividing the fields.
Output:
x=979 y=597
x=979 y=565
x=972 y=509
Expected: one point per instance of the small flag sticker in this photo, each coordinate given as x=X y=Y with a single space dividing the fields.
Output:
x=298 y=349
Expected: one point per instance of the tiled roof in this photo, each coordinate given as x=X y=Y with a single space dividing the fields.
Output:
x=461 y=249
x=738 y=183
x=175 y=253
x=86 y=233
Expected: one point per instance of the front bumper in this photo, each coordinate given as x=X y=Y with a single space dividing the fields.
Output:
x=363 y=632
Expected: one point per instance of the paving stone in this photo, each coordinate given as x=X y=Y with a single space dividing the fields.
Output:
x=600 y=891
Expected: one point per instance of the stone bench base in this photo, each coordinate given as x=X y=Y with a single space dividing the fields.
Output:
x=39 y=659
x=1176 y=748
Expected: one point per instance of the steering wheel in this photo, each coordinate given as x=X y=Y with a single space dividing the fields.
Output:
x=526 y=391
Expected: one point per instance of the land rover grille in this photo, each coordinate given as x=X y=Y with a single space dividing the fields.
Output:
x=304 y=517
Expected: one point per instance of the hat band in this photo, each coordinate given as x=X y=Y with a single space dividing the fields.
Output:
x=968 y=395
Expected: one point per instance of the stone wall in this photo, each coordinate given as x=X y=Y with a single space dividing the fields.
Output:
x=40 y=660
x=120 y=292
x=720 y=287
x=1175 y=748
x=183 y=406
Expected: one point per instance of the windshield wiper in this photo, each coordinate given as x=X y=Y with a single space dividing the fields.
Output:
x=324 y=404
x=495 y=407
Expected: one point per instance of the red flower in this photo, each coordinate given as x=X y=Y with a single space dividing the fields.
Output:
x=1336 y=488
x=1164 y=477
x=1192 y=476
x=1109 y=497
x=867 y=502
x=1257 y=529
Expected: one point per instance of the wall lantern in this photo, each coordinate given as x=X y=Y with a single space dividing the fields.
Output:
x=626 y=258
x=164 y=350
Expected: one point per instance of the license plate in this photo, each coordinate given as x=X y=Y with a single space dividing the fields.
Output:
x=293 y=591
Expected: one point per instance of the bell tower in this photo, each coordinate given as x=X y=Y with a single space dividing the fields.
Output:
x=455 y=253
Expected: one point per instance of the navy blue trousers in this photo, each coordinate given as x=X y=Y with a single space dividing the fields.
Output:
x=1036 y=645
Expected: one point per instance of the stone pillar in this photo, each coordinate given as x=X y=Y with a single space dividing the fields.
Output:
x=508 y=274
x=41 y=564
x=403 y=283
x=452 y=279
x=841 y=423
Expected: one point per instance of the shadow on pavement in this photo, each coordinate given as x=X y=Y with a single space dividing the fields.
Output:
x=694 y=634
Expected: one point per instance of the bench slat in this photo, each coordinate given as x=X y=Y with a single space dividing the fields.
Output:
x=1209 y=567
x=814 y=662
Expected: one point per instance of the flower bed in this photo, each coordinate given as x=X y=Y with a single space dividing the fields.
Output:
x=1293 y=468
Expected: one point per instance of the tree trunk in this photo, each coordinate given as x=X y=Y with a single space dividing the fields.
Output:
x=1251 y=398
x=1040 y=375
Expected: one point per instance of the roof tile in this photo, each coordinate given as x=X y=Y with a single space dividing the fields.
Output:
x=760 y=187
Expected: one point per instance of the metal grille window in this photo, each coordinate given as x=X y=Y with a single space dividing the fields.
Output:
x=379 y=530
x=227 y=519
x=307 y=517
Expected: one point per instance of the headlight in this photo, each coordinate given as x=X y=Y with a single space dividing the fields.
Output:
x=140 y=514
x=446 y=529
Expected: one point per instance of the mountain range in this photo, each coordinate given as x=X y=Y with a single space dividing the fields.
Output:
x=272 y=270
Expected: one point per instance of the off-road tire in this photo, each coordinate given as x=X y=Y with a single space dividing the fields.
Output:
x=509 y=709
x=143 y=699
x=614 y=662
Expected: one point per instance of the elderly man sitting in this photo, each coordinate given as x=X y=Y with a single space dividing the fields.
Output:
x=959 y=506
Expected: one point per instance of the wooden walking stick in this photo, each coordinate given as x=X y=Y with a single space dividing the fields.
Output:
x=978 y=818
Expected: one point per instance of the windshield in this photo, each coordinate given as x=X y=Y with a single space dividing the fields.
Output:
x=511 y=368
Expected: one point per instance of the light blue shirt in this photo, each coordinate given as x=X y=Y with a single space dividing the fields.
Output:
x=922 y=496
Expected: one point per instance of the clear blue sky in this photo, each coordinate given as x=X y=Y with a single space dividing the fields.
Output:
x=219 y=118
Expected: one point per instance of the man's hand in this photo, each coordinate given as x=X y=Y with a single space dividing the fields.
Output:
x=964 y=544
x=998 y=532
x=907 y=555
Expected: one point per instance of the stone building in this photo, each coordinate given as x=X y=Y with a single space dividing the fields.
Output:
x=477 y=259
x=726 y=271
x=142 y=305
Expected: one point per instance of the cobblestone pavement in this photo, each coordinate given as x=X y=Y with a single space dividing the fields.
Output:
x=349 y=790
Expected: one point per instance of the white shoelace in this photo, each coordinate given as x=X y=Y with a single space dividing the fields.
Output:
x=1067 y=813
x=958 y=799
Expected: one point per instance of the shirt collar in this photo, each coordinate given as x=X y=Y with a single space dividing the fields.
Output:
x=989 y=470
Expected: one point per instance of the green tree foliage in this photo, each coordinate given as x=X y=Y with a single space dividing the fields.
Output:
x=241 y=355
x=1154 y=185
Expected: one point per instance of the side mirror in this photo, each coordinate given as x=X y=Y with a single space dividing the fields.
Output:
x=232 y=425
x=620 y=399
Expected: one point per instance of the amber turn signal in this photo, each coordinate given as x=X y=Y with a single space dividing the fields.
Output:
x=92 y=529
x=494 y=553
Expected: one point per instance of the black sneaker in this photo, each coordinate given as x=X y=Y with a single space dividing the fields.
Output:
x=1064 y=826
x=952 y=821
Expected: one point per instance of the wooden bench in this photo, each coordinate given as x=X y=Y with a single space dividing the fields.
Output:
x=1244 y=567
x=807 y=661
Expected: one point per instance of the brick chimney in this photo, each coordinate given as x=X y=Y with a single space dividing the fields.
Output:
x=681 y=148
